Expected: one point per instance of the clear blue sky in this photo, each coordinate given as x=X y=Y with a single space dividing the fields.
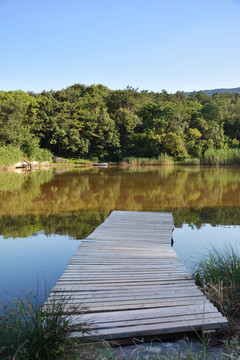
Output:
x=152 y=44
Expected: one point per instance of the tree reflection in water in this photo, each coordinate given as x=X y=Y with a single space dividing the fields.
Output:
x=75 y=201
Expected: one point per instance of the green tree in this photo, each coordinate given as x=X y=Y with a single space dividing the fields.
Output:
x=175 y=145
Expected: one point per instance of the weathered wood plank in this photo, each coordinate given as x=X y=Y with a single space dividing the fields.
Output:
x=154 y=329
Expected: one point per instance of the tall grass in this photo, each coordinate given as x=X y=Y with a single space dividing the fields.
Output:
x=29 y=331
x=10 y=155
x=78 y=161
x=218 y=275
x=221 y=157
x=189 y=161
x=41 y=155
x=162 y=159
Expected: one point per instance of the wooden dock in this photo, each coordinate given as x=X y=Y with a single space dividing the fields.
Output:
x=132 y=282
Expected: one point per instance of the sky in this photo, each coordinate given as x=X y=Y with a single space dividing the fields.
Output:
x=176 y=45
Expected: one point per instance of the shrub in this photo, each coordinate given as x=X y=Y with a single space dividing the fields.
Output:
x=33 y=152
x=10 y=155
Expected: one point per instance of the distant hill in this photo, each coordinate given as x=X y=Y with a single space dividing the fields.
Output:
x=211 y=92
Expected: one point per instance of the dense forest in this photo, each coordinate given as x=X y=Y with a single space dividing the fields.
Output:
x=94 y=122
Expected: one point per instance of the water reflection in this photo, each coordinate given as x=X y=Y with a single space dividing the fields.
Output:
x=150 y=189
x=41 y=211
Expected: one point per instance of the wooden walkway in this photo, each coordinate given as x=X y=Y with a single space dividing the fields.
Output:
x=132 y=282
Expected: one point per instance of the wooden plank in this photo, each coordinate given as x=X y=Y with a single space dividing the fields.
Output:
x=198 y=300
x=158 y=320
x=154 y=329
x=145 y=314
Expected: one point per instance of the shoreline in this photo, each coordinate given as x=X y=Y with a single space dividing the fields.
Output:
x=44 y=166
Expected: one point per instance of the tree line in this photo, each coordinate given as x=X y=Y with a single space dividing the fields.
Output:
x=94 y=122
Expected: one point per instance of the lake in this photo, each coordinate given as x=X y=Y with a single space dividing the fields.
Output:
x=45 y=214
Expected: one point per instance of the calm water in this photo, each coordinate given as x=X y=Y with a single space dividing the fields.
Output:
x=45 y=214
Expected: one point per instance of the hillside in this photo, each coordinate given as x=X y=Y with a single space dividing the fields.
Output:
x=211 y=92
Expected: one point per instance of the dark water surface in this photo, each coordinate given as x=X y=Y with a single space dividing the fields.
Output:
x=45 y=214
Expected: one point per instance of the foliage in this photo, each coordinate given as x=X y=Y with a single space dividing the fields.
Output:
x=29 y=331
x=10 y=155
x=34 y=153
x=94 y=121
x=218 y=275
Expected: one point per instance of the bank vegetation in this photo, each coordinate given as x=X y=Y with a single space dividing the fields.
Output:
x=99 y=124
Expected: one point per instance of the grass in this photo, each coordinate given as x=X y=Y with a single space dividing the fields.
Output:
x=162 y=159
x=223 y=156
x=40 y=155
x=10 y=155
x=218 y=276
x=189 y=161
x=78 y=161
x=29 y=331
x=230 y=350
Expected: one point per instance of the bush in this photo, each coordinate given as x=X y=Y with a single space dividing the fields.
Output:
x=42 y=155
x=34 y=153
x=10 y=155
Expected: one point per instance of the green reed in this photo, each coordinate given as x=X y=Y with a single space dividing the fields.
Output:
x=218 y=275
x=29 y=331
x=162 y=159
x=223 y=156
x=189 y=161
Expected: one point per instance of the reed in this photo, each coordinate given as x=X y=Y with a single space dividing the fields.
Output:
x=223 y=156
x=218 y=275
x=162 y=159
x=29 y=331
x=189 y=161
